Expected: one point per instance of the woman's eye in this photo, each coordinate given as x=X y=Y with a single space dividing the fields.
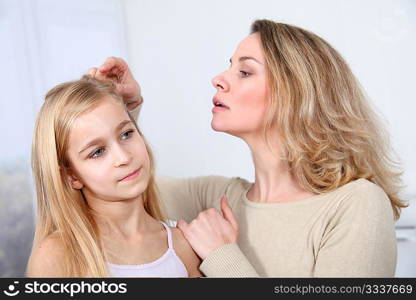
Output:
x=244 y=73
x=97 y=153
x=127 y=134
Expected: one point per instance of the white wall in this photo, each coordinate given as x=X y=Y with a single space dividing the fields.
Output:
x=176 y=47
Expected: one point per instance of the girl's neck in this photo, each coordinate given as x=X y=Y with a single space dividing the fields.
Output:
x=126 y=218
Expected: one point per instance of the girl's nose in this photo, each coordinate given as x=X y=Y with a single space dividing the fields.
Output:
x=121 y=156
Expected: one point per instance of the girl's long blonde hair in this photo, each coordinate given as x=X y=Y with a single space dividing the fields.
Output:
x=330 y=133
x=60 y=208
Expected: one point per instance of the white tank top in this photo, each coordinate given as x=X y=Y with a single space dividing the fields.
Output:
x=168 y=265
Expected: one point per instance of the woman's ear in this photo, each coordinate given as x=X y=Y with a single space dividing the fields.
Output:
x=73 y=179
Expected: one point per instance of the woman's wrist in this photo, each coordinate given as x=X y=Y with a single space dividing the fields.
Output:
x=133 y=104
x=227 y=261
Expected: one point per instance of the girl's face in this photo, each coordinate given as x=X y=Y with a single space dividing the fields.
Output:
x=108 y=157
x=241 y=90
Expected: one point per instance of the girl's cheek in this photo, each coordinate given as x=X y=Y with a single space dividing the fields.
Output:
x=98 y=174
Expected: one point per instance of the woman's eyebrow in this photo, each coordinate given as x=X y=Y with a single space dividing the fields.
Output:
x=243 y=58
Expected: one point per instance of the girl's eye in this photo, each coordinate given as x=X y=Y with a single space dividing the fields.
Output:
x=127 y=134
x=244 y=73
x=97 y=153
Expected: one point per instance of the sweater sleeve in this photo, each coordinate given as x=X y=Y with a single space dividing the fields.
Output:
x=135 y=112
x=228 y=262
x=360 y=239
x=185 y=198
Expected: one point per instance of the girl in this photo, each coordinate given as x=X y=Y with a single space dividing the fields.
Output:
x=326 y=191
x=98 y=209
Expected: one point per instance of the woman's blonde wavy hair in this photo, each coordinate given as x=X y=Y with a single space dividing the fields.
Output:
x=330 y=133
x=62 y=210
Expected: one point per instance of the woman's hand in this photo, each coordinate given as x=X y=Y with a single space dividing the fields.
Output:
x=209 y=231
x=117 y=70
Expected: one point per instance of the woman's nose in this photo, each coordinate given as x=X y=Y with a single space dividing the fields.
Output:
x=220 y=83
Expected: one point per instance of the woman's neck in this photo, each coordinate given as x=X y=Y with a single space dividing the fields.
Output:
x=273 y=180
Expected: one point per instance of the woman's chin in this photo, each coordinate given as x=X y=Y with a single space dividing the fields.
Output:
x=222 y=128
x=217 y=126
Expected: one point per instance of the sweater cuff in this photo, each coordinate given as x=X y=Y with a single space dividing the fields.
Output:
x=135 y=112
x=227 y=261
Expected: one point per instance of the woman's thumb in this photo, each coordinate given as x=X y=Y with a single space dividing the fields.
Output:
x=228 y=213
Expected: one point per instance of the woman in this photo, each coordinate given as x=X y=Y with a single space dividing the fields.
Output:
x=325 y=194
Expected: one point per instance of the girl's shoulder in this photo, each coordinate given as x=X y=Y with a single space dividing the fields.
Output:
x=47 y=257
x=185 y=252
x=178 y=240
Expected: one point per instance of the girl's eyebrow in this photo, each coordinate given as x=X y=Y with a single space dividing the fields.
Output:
x=91 y=143
x=122 y=124
x=243 y=58
x=99 y=140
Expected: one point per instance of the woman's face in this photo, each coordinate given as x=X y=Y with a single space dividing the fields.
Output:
x=108 y=157
x=241 y=91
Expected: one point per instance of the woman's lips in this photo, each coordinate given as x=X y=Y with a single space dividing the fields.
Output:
x=218 y=105
x=132 y=175
x=219 y=108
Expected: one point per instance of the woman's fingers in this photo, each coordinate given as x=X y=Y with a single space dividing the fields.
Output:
x=117 y=70
x=113 y=63
x=92 y=72
x=108 y=64
x=95 y=73
x=210 y=230
x=228 y=213
x=183 y=226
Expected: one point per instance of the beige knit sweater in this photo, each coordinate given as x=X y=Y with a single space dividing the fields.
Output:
x=345 y=233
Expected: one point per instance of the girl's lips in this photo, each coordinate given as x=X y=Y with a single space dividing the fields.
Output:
x=132 y=175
